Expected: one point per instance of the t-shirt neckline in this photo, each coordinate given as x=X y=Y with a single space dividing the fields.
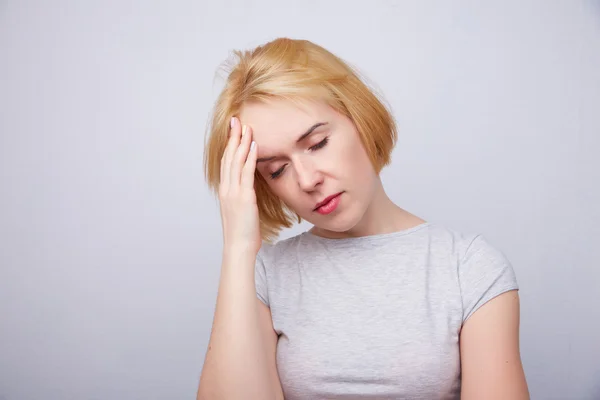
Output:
x=368 y=238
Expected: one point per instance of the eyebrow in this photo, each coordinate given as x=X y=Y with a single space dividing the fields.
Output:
x=301 y=138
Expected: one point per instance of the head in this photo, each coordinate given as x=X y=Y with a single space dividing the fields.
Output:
x=319 y=130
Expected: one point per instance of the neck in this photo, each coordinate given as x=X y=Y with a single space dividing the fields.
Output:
x=382 y=216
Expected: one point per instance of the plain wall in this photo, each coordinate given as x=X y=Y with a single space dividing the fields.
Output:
x=110 y=242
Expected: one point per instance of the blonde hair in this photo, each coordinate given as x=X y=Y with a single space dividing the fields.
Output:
x=295 y=70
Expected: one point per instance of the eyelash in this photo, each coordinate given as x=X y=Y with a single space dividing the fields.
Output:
x=317 y=146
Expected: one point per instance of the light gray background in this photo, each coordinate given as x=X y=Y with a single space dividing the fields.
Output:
x=110 y=242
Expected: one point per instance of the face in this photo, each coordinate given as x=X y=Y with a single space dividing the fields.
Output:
x=309 y=153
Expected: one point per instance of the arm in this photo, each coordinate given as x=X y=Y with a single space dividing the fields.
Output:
x=240 y=361
x=489 y=352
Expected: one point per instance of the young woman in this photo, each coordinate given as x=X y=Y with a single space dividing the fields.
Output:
x=372 y=302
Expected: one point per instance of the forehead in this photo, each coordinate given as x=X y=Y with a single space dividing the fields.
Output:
x=283 y=120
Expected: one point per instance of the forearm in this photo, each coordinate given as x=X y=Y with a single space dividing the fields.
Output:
x=236 y=361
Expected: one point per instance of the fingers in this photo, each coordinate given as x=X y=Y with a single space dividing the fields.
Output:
x=240 y=156
x=247 y=180
x=238 y=164
x=232 y=145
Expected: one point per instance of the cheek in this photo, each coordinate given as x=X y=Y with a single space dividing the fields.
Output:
x=284 y=190
x=354 y=158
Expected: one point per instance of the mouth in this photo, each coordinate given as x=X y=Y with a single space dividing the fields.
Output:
x=328 y=204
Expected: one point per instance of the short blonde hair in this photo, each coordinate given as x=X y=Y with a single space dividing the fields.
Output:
x=294 y=70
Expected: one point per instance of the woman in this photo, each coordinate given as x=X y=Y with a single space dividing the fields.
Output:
x=372 y=302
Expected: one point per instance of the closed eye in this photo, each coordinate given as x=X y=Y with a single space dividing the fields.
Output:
x=317 y=146
x=320 y=145
x=276 y=174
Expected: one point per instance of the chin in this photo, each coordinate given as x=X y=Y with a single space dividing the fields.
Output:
x=343 y=222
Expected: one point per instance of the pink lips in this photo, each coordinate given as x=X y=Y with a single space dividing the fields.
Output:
x=328 y=205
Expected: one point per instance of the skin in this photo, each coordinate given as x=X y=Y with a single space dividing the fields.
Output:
x=330 y=160
x=313 y=170
x=489 y=351
x=239 y=366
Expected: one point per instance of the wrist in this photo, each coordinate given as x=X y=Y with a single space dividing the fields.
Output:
x=239 y=252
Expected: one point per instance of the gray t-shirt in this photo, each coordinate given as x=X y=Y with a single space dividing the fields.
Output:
x=376 y=317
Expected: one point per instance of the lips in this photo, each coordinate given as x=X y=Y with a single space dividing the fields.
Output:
x=326 y=200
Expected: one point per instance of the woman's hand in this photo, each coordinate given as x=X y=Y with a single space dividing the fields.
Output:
x=239 y=212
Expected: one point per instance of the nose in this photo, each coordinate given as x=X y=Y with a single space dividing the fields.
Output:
x=307 y=175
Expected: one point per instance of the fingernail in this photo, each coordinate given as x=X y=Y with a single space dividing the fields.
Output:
x=232 y=123
x=243 y=130
x=252 y=145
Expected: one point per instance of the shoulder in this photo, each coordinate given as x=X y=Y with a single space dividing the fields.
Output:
x=473 y=251
x=481 y=254
x=476 y=261
x=452 y=242
x=483 y=269
x=464 y=244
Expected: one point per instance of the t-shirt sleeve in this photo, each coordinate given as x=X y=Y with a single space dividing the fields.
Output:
x=260 y=277
x=484 y=273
